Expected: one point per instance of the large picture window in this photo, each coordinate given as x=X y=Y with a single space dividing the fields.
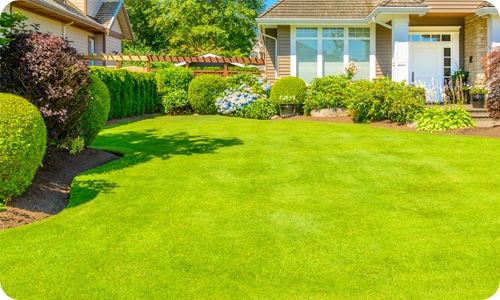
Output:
x=327 y=51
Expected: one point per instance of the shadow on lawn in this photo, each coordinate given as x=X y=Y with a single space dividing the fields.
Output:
x=141 y=147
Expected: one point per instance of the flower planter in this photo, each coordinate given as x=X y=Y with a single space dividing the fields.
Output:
x=477 y=100
x=288 y=110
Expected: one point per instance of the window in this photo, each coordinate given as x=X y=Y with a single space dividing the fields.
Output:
x=91 y=48
x=327 y=51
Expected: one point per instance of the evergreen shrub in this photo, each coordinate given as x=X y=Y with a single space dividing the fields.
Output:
x=97 y=111
x=203 y=91
x=288 y=90
x=23 y=138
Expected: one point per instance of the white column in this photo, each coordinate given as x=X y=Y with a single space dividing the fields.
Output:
x=400 y=48
x=493 y=22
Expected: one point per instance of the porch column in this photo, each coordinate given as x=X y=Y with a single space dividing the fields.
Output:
x=493 y=22
x=400 y=48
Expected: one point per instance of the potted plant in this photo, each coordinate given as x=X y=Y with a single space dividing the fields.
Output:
x=288 y=106
x=466 y=92
x=477 y=96
x=461 y=76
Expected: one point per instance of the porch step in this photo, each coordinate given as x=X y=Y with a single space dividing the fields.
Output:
x=481 y=116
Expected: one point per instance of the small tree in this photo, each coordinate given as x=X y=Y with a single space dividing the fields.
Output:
x=48 y=72
x=11 y=24
x=491 y=66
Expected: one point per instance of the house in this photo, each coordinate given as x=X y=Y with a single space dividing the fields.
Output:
x=417 y=41
x=93 y=26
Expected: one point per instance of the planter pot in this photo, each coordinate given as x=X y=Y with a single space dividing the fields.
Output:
x=477 y=100
x=466 y=97
x=288 y=110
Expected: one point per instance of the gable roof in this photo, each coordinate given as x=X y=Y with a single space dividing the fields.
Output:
x=485 y=4
x=332 y=9
x=112 y=11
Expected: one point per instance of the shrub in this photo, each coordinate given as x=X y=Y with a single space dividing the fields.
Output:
x=173 y=79
x=48 y=72
x=257 y=84
x=97 y=112
x=326 y=92
x=440 y=119
x=383 y=99
x=176 y=103
x=288 y=90
x=258 y=109
x=131 y=93
x=203 y=92
x=23 y=138
x=492 y=69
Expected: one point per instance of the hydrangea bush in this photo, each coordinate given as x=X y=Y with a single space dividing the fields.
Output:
x=242 y=90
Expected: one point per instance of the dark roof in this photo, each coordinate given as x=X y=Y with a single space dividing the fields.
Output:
x=331 y=9
x=485 y=4
x=107 y=12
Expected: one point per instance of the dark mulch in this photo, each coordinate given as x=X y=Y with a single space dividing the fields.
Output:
x=49 y=193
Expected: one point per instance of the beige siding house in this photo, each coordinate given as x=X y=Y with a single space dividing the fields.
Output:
x=92 y=26
x=412 y=40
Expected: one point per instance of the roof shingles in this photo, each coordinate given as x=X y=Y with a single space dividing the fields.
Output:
x=107 y=12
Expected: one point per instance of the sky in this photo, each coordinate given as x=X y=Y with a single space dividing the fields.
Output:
x=270 y=2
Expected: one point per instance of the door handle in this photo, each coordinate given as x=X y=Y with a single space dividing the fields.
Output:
x=412 y=76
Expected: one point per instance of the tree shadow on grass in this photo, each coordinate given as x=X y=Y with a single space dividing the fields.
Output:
x=140 y=147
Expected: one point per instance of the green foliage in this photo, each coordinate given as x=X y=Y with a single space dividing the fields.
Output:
x=478 y=90
x=383 y=99
x=48 y=72
x=258 y=109
x=288 y=90
x=234 y=68
x=97 y=112
x=176 y=103
x=75 y=145
x=173 y=79
x=441 y=119
x=257 y=84
x=22 y=144
x=131 y=93
x=203 y=92
x=326 y=92
x=11 y=25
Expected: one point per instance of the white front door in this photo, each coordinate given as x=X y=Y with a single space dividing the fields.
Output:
x=427 y=67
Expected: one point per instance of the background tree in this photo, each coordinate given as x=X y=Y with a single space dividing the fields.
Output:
x=194 y=27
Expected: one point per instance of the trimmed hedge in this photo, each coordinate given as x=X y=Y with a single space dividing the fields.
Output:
x=173 y=79
x=97 y=112
x=23 y=138
x=131 y=93
x=288 y=90
x=203 y=93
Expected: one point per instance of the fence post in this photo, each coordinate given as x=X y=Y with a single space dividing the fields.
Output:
x=226 y=73
x=148 y=66
x=117 y=65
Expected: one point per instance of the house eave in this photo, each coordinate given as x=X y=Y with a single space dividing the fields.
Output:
x=486 y=11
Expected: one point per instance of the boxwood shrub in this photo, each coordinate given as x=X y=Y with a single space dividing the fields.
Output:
x=203 y=91
x=97 y=112
x=173 y=79
x=288 y=90
x=23 y=138
x=131 y=93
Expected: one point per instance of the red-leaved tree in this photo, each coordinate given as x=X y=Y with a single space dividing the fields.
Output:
x=491 y=66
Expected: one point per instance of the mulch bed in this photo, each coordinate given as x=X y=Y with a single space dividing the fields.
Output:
x=49 y=193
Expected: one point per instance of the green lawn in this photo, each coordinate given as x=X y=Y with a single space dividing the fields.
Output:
x=226 y=208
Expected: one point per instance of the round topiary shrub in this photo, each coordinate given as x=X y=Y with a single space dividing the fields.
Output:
x=23 y=138
x=203 y=91
x=97 y=111
x=288 y=90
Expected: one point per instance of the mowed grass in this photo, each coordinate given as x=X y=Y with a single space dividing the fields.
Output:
x=208 y=207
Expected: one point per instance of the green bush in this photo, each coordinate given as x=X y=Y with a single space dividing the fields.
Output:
x=440 y=119
x=288 y=90
x=23 y=138
x=97 y=112
x=203 y=92
x=131 y=93
x=173 y=79
x=383 y=99
x=176 y=103
x=326 y=92
x=258 y=109
x=257 y=84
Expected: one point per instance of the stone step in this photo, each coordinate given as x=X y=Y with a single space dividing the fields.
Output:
x=488 y=123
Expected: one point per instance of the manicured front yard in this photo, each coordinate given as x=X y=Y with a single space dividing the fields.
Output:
x=226 y=208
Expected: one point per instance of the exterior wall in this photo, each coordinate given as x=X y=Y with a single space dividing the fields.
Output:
x=284 y=51
x=93 y=7
x=79 y=39
x=444 y=21
x=383 y=52
x=116 y=27
x=113 y=44
x=457 y=6
x=475 y=45
x=80 y=4
x=99 y=47
x=270 y=54
x=46 y=25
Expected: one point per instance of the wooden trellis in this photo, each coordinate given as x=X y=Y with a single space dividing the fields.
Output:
x=118 y=58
